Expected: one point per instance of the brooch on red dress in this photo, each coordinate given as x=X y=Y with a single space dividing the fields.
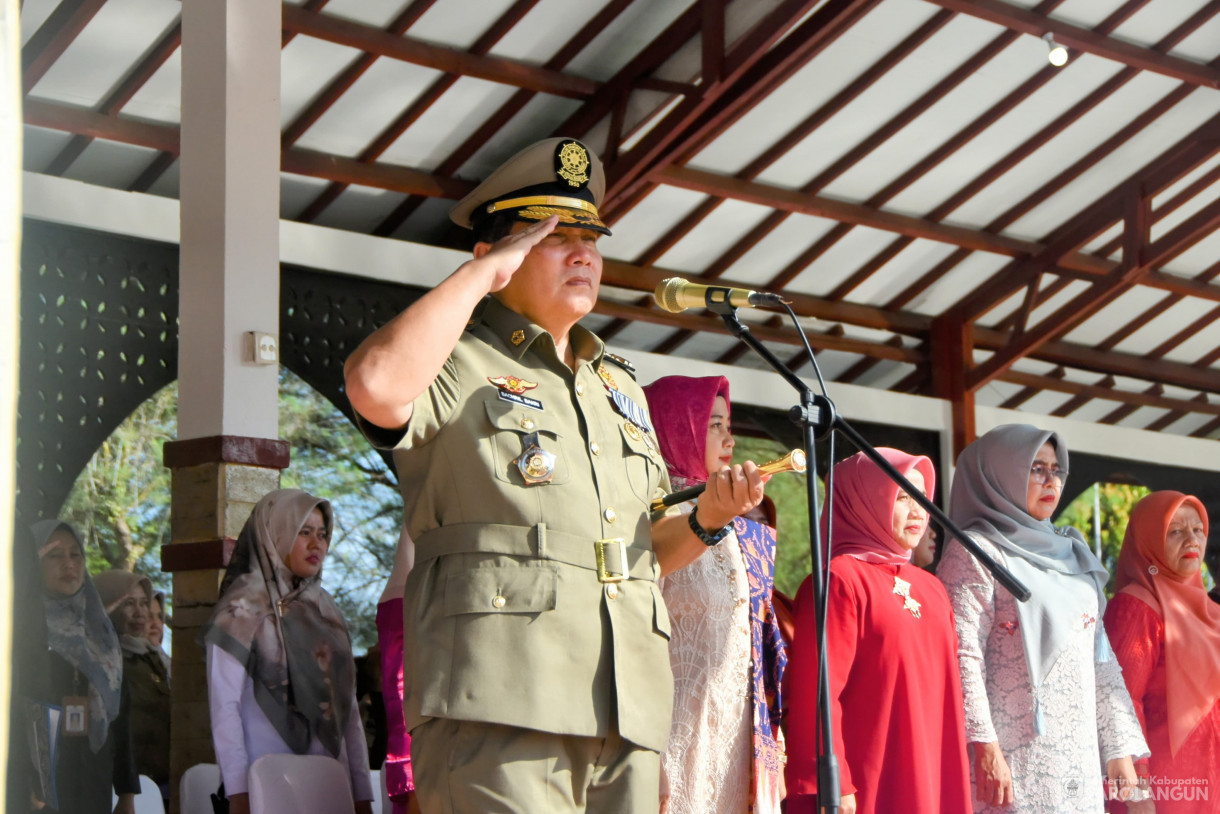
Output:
x=903 y=589
x=1011 y=627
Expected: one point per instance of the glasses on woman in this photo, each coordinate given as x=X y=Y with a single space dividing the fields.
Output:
x=1041 y=473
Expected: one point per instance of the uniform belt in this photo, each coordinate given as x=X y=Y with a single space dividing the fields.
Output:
x=606 y=557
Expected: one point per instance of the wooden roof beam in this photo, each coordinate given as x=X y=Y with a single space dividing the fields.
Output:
x=1082 y=39
x=394 y=130
x=374 y=40
x=53 y=37
x=790 y=139
x=492 y=125
x=348 y=76
x=1193 y=149
x=1089 y=302
x=165 y=138
x=671 y=137
x=1082 y=357
x=121 y=95
x=1093 y=391
x=713 y=324
x=790 y=200
x=963 y=136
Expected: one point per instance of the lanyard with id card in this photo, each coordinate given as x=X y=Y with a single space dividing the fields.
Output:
x=76 y=715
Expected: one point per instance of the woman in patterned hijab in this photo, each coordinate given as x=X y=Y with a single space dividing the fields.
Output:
x=79 y=678
x=277 y=624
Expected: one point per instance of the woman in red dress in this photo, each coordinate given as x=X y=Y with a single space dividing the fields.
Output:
x=896 y=696
x=1166 y=634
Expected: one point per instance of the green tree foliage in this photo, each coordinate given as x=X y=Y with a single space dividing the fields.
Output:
x=1116 y=500
x=331 y=459
x=792 y=559
x=120 y=502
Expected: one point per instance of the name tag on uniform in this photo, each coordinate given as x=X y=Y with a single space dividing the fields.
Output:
x=524 y=401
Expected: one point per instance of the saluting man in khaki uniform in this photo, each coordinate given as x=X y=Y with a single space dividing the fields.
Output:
x=537 y=674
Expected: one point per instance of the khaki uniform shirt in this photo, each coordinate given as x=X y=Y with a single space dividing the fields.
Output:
x=507 y=620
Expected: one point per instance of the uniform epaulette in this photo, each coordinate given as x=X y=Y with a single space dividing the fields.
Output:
x=623 y=363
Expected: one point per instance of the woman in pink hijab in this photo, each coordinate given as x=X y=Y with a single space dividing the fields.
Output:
x=896 y=697
x=1166 y=634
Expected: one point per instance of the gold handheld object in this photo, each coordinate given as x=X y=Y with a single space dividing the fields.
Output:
x=794 y=461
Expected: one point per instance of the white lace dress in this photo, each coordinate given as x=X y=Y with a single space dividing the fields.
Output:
x=708 y=762
x=1087 y=713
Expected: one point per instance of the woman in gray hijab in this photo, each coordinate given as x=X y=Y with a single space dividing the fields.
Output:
x=1045 y=700
x=281 y=677
x=72 y=690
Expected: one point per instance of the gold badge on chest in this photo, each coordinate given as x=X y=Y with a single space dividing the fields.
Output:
x=606 y=377
x=535 y=464
x=903 y=589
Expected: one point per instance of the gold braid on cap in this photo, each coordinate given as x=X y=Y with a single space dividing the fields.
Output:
x=543 y=200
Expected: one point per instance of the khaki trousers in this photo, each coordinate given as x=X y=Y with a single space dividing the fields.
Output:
x=468 y=767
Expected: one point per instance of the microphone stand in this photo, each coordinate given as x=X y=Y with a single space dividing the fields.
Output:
x=817 y=417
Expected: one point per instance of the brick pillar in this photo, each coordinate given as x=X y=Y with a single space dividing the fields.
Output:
x=216 y=482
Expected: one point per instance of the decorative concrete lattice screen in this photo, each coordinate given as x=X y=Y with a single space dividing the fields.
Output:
x=99 y=336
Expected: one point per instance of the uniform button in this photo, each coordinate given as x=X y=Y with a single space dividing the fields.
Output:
x=595 y=448
x=527 y=423
x=498 y=602
x=580 y=389
x=609 y=515
x=612 y=591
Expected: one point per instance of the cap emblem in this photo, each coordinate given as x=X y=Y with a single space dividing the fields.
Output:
x=572 y=163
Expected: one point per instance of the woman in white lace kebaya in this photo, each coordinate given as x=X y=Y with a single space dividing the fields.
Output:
x=725 y=751
x=1046 y=706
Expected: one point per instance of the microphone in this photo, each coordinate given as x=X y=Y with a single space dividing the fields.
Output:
x=676 y=295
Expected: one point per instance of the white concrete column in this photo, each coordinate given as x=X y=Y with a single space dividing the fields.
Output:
x=229 y=272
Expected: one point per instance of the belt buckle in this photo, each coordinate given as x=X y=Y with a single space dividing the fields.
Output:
x=604 y=575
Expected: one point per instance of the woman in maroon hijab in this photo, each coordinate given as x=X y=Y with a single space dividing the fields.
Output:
x=896 y=696
x=725 y=753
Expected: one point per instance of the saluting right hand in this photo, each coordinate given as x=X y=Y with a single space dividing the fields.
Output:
x=505 y=256
x=992 y=775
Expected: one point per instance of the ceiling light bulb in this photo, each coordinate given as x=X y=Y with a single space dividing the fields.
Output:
x=1056 y=53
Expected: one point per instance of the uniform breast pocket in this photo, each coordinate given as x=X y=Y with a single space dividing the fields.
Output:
x=508 y=428
x=642 y=463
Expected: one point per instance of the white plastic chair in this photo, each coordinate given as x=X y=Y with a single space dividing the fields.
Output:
x=148 y=800
x=197 y=787
x=299 y=784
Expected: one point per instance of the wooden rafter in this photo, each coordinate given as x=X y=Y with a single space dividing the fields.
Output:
x=796 y=201
x=1103 y=292
x=688 y=122
x=373 y=40
x=1082 y=39
x=53 y=38
x=1094 y=391
x=696 y=323
x=121 y=95
x=504 y=114
x=391 y=133
x=789 y=140
x=348 y=76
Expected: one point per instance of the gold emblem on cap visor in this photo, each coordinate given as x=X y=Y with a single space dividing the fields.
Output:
x=573 y=161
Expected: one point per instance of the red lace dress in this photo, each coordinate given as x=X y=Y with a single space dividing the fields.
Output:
x=1188 y=782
